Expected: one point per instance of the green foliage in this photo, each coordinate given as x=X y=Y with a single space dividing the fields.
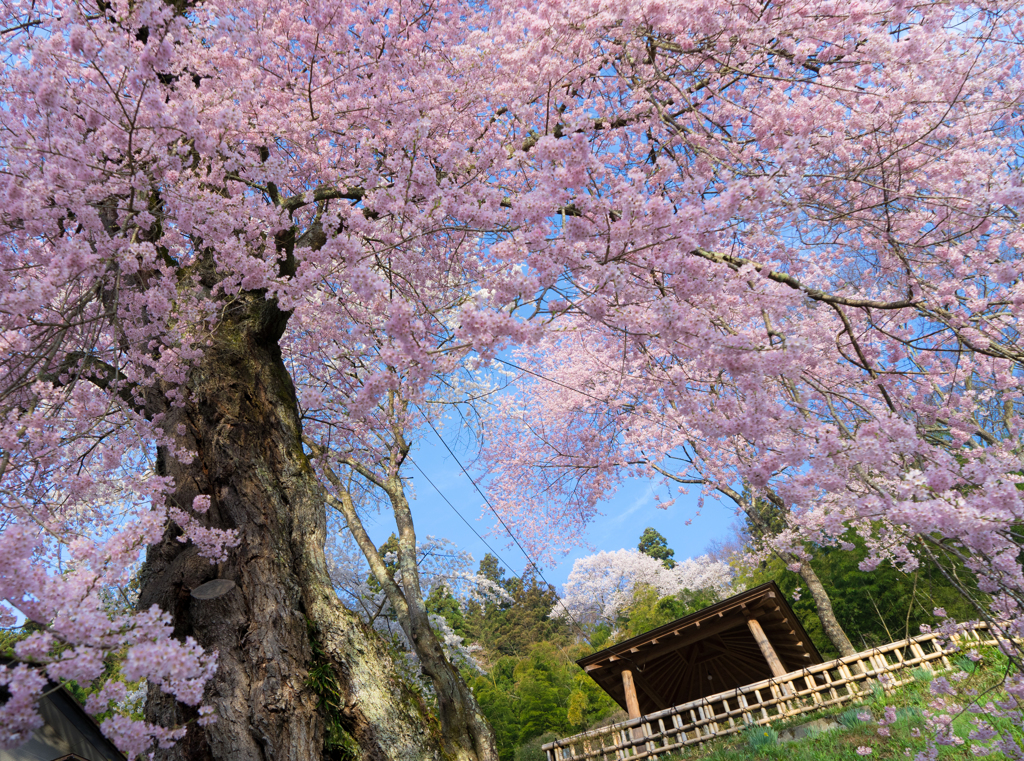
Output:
x=648 y=611
x=510 y=628
x=600 y=636
x=533 y=750
x=10 y=637
x=542 y=692
x=921 y=674
x=909 y=714
x=654 y=544
x=761 y=739
x=490 y=568
x=390 y=547
x=851 y=717
x=965 y=664
x=442 y=602
x=339 y=745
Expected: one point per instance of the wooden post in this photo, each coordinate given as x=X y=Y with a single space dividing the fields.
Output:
x=632 y=704
x=767 y=650
x=766 y=647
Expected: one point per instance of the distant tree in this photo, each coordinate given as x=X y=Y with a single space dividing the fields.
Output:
x=649 y=610
x=441 y=602
x=511 y=626
x=449 y=585
x=389 y=555
x=542 y=690
x=490 y=567
x=654 y=544
x=601 y=587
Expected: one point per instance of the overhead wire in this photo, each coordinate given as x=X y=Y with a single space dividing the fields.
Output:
x=532 y=563
x=463 y=519
x=493 y=551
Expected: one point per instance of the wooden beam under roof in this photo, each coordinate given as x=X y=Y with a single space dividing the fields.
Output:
x=640 y=654
x=750 y=599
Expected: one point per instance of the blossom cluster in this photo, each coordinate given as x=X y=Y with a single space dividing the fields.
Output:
x=601 y=587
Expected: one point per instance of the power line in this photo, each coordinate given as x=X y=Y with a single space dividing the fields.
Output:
x=495 y=553
x=554 y=382
x=468 y=524
x=550 y=380
x=480 y=491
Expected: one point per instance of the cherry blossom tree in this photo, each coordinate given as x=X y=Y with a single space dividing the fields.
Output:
x=193 y=193
x=778 y=242
x=601 y=587
x=801 y=274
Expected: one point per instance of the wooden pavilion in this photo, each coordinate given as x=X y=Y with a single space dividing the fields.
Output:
x=746 y=638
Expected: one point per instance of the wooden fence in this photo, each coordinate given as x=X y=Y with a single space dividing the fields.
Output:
x=842 y=680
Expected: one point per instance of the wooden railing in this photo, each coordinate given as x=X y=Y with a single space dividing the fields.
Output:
x=842 y=680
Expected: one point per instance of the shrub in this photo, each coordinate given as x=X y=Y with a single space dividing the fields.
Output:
x=761 y=739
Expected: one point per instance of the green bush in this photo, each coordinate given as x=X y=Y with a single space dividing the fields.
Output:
x=761 y=739
x=965 y=664
x=850 y=718
x=531 y=751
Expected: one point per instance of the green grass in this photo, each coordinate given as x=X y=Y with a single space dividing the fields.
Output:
x=908 y=734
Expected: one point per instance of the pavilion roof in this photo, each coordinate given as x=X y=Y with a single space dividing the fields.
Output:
x=707 y=652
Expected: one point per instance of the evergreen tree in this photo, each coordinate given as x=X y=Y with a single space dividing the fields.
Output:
x=510 y=627
x=441 y=602
x=389 y=552
x=541 y=691
x=654 y=544
x=490 y=568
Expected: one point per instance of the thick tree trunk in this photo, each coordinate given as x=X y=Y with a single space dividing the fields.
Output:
x=241 y=423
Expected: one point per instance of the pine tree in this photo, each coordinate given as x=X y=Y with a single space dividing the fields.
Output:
x=654 y=544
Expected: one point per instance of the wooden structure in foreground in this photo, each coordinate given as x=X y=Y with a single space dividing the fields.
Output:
x=842 y=680
x=747 y=638
x=68 y=733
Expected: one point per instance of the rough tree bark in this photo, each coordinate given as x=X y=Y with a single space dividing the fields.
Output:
x=241 y=422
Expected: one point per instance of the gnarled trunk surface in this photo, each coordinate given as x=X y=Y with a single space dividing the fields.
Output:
x=241 y=422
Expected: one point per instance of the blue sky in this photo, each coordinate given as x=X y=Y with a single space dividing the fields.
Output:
x=624 y=517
